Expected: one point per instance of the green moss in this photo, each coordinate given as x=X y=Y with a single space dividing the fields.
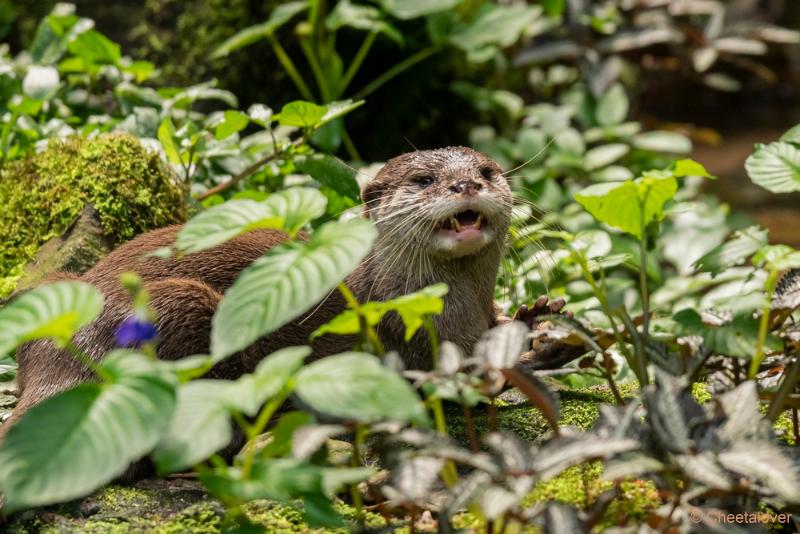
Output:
x=128 y=186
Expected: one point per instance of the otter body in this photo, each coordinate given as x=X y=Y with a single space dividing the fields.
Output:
x=441 y=215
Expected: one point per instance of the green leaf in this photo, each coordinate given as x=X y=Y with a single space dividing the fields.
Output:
x=286 y=282
x=201 y=424
x=494 y=26
x=411 y=9
x=612 y=108
x=166 y=136
x=279 y=16
x=288 y=210
x=225 y=221
x=689 y=167
x=55 y=311
x=412 y=308
x=80 y=439
x=355 y=386
x=737 y=337
x=777 y=257
x=332 y=172
x=603 y=155
x=338 y=108
x=361 y=17
x=630 y=205
x=95 y=48
x=668 y=142
x=792 y=135
x=301 y=114
x=234 y=122
x=733 y=252
x=54 y=34
x=775 y=167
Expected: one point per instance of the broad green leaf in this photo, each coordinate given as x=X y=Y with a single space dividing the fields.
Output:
x=288 y=210
x=361 y=17
x=95 y=48
x=201 y=424
x=411 y=9
x=279 y=16
x=412 y=308
x=792 y=135
x=286 y=282
x=55 y=32
x=603 y=155
x=40 y=82
x=202 y=91
x=777 y=257
x=338 y=108
x=612 y=108
x=332 y=172
x=166 y=136
x=270 y=376
x=737 y=338
x=78 y=440
x=301 y=114
x=55 y=311
x=494 y=26
x=356 y=386
x=689 y=167
x=658 y=141
x=630 y=205
x=775 y=167
x=234 y=122
x=735 y=251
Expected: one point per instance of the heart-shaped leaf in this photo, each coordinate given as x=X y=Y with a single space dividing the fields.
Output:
x=775 y=167
x=286 y=282
x=80 y=439
x=355 y=386
x=54 y=311
x=287 y=210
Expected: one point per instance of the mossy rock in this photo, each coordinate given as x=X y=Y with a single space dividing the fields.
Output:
x=127 y=187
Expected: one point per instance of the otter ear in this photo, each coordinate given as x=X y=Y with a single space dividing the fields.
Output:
x=371 y=196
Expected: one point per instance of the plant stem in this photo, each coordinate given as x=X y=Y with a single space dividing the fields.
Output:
x=258 y=427
x=763 y=324
x=355 y=461
x=643 y=289
x=358 y=59
x=367 y=330
x=349 y=146
x=397 y=69
x=87 y=360
x=790 y=379
x=316 y=69
x=248 y=171
x=290 y=68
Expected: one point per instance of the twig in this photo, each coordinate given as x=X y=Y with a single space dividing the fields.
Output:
x=235 y=179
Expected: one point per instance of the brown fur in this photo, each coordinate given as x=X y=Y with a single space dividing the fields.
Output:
x=184 y=292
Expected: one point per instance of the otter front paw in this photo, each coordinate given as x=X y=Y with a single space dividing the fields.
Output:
x=543 y=306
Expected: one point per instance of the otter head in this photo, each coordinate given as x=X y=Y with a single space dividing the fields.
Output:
x=449 y=202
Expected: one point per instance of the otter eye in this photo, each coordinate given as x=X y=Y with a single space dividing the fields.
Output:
x=424 y=181
x=487 y=173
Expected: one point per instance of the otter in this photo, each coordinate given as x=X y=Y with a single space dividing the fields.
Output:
x=442 y=216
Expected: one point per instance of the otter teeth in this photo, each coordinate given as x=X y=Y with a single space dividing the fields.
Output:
x=455 y=223
x=478 y=221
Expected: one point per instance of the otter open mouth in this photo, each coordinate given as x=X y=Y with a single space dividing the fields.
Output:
x=463 y=221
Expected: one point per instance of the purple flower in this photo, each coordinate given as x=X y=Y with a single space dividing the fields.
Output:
x=134 y=331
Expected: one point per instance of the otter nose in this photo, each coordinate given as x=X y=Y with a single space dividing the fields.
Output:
x=467 y=187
